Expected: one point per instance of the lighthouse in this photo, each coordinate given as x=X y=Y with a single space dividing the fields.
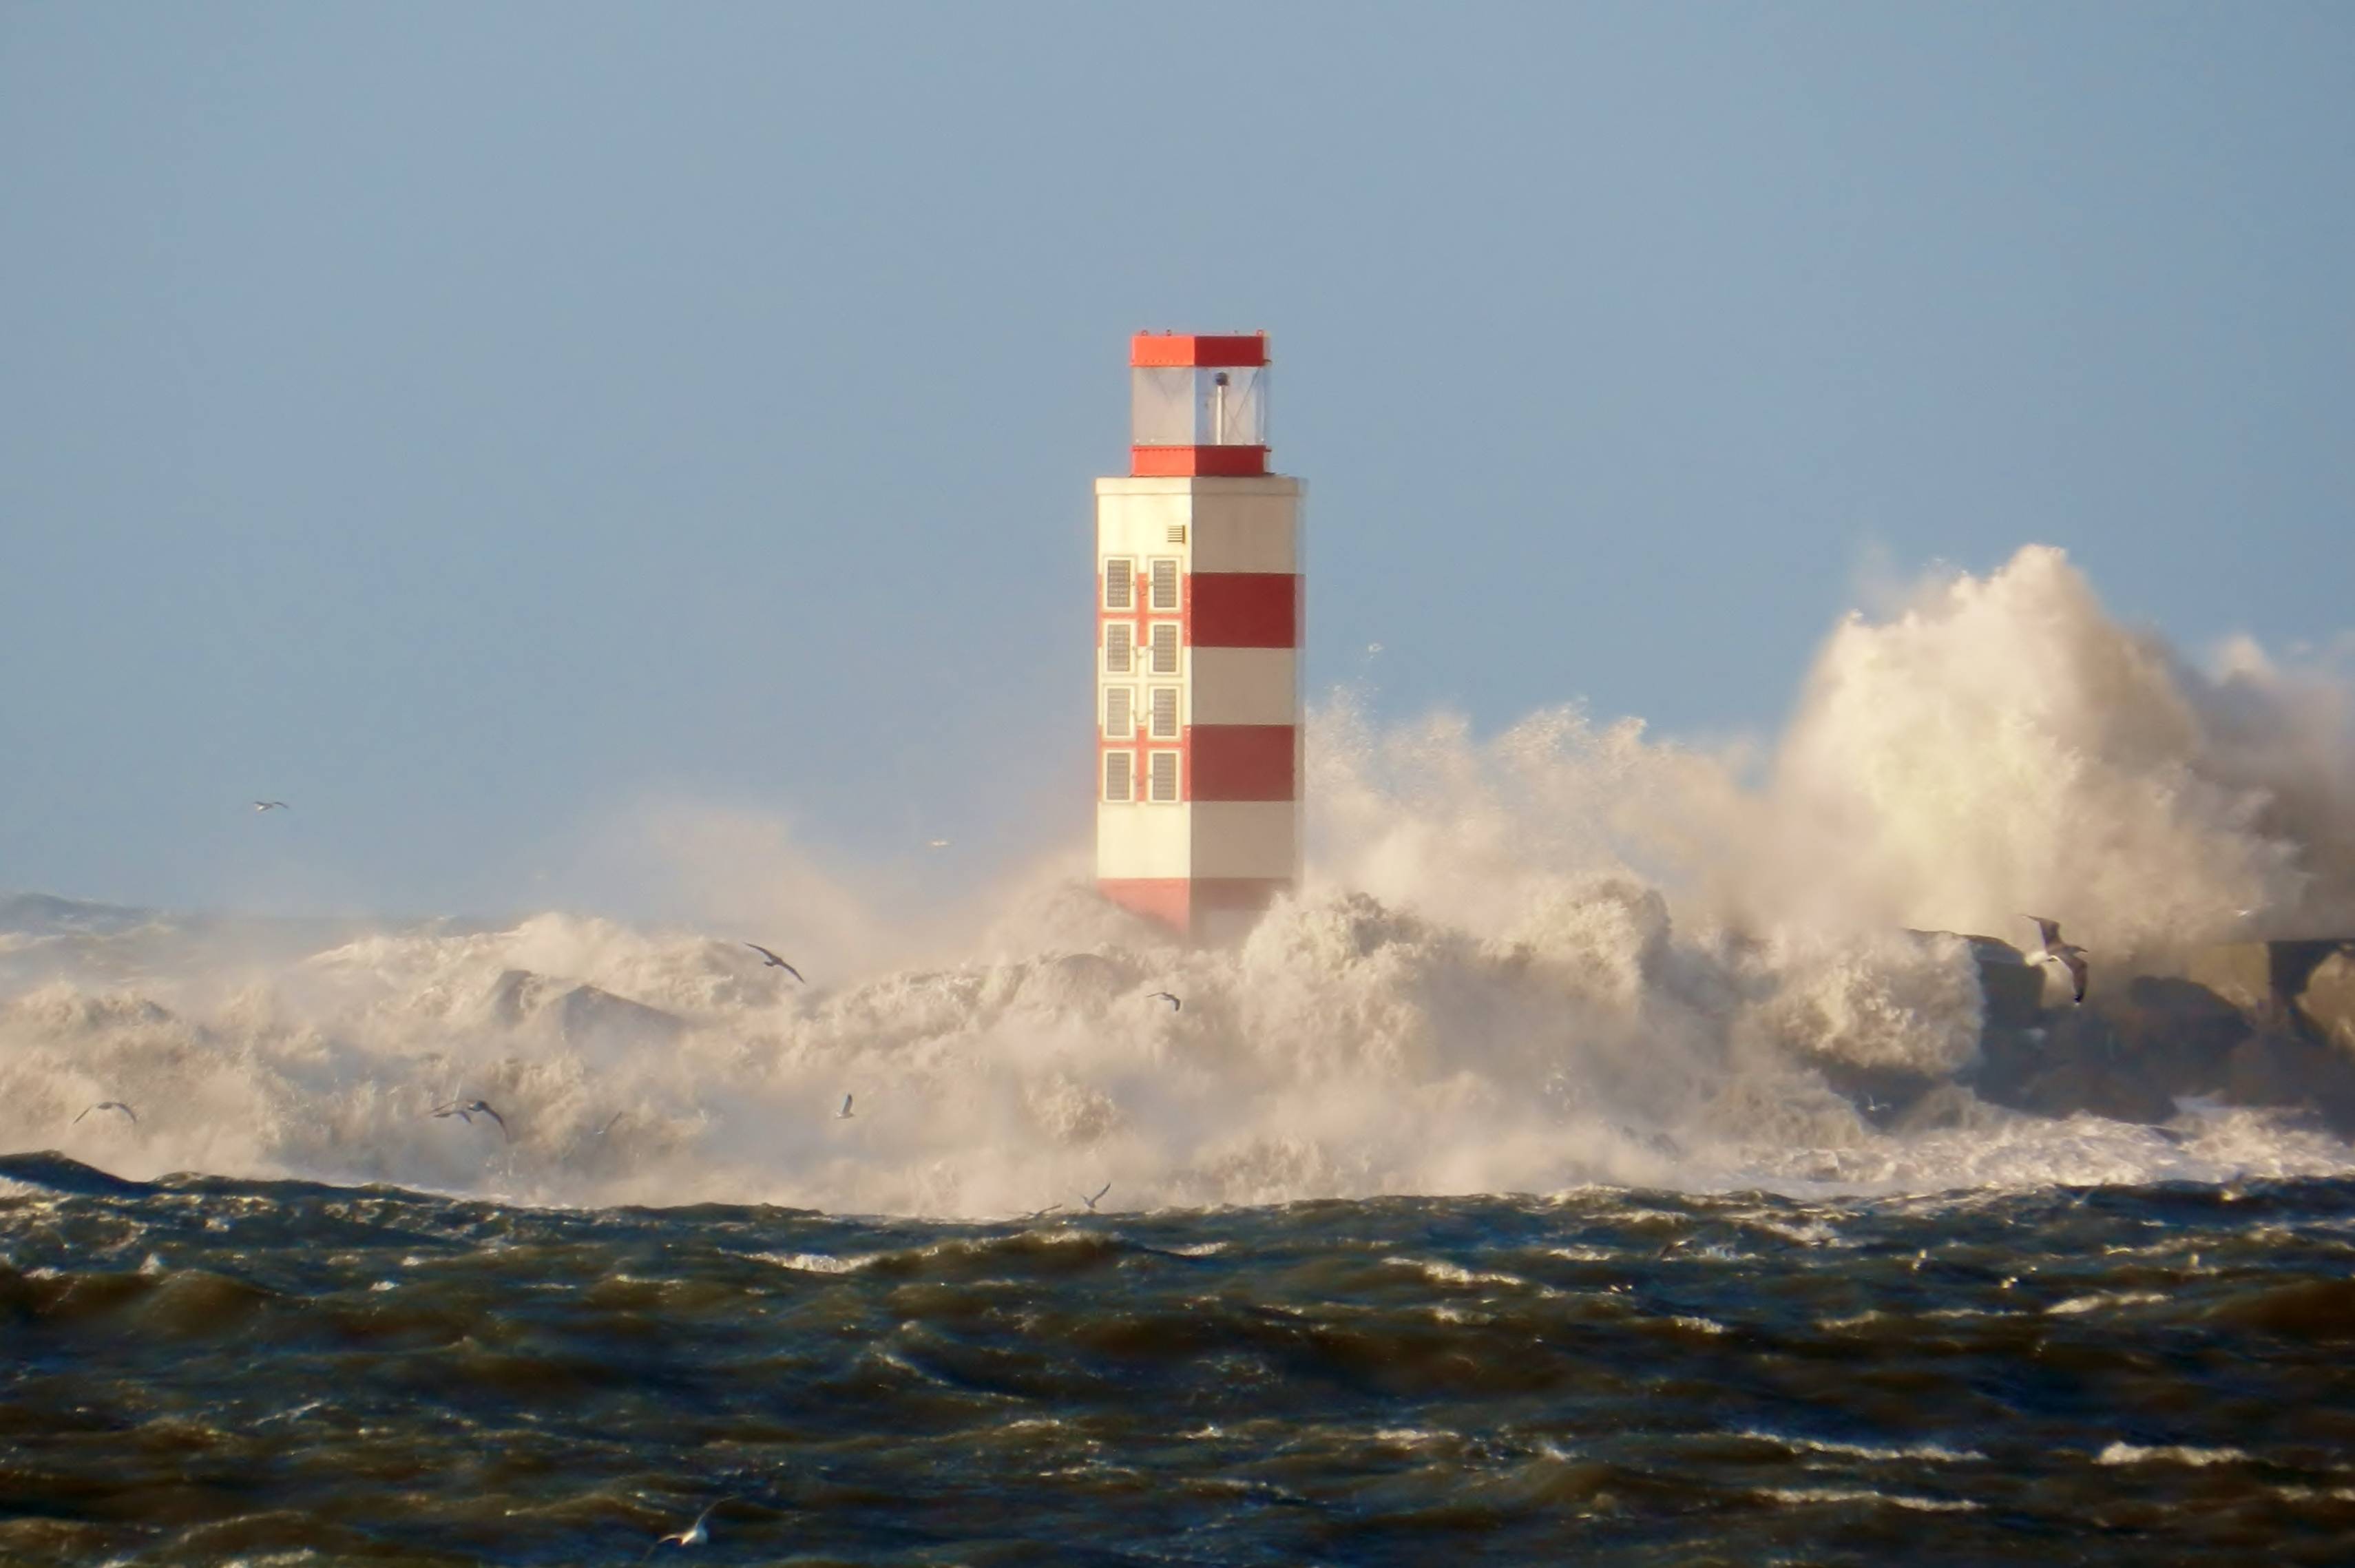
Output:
x=1199 y=614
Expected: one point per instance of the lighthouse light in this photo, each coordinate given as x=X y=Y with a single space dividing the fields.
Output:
x=1193 y=405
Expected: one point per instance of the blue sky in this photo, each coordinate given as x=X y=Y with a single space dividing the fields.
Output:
x=474 y=424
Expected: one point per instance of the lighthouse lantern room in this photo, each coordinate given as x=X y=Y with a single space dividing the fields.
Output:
x=1198 y=405
x=1198 y=607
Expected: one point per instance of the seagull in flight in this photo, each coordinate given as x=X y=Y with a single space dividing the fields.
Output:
x=844 y=1115
x=466 y=1114
x=2068 y=954
x=693 y=1535
x=1175 y=1005
x=1042 y=1213
x=269 y=806
x=770 y=961
x=111 y=1105
x=1092 y=1202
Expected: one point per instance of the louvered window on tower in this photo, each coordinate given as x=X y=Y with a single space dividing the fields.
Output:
x=1116 y=648
x=1120 y=582
x=1165 y=648
x=1117 y=765
x=1165 y=584
x=1164 y=776
x=1120 y=717
x=1164 y=712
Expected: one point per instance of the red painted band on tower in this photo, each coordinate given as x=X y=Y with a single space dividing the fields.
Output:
x=1180 y=902
x=1241 y=762
x=1244 y=609
x=1185 y=461
x=1165 y=351
x=1161 y=899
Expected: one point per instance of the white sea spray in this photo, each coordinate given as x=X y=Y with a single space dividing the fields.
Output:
x=1561 y=954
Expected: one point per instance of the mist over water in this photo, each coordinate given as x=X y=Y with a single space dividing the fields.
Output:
x=1564 y=953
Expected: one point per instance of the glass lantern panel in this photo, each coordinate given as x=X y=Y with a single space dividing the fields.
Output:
x=1230 y=407
x=1161 y=406
x=1198 y=405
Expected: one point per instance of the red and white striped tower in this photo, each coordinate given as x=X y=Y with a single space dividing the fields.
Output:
x=1199 y=602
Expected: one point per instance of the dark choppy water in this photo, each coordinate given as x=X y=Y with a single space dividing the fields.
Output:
x=206 y=1370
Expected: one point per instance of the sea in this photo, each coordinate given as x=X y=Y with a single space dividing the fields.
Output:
x=201 y=1369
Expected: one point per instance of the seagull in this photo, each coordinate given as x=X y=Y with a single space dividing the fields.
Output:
x=466 y=1114
x=269 y=806
x=693 y=1535
x=609 y=1122
x=773 y=962
x=2068 y=954
x=1092 y=1202
x=1175 y=1003
x=936 y=843
x=111 y=1105
x=1042 y=1213
x=844 y=1115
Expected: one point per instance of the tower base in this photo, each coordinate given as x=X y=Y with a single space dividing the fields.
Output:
x=1208 y=910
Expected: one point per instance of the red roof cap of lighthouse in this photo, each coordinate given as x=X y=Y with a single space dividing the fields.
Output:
x=1155 y=350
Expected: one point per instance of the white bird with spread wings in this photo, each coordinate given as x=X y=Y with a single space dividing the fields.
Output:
x=2068 y=954
x=695 y=1534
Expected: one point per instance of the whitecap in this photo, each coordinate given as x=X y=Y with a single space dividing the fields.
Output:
x=2173 y=1454
x=2102 y=1299
x=1866 y=1495
x=1443 y=1273
x=818 y=1262
x=1933 y=1451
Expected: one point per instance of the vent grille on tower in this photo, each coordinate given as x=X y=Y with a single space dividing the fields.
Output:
x=1165 y=648
x=1117 y=649
x=1120 y=723
x=1117 y=785
x=1165 y=584
x=1164 y=712
x=1120 y=582
x=1165 y=775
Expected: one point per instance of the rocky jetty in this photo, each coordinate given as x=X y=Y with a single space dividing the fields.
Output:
x=2256 y=1024
x=577 y=1014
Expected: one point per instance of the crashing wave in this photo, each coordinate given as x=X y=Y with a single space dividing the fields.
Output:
x=1554 y=957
